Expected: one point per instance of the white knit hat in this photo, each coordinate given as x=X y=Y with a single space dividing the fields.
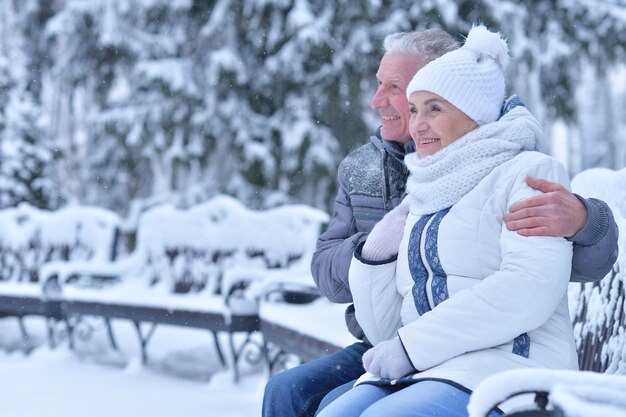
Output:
x=471 y=77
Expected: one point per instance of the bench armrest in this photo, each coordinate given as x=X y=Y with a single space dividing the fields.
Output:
x=258 y=282
x=553 y=386
x=291 y=293
x=53 y=276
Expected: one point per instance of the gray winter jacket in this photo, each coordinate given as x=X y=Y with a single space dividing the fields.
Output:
x=372 y=181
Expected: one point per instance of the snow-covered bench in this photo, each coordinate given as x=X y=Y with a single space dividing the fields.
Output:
x=190 y=267
x=599 y=319
x=297 y=322
x=30 y=237
x=306 y=330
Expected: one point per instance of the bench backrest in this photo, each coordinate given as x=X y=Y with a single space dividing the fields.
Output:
x=188 y=250
x=30 y=237
x=597 y=309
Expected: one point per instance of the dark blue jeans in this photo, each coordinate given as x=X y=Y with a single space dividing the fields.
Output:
x=297 y=392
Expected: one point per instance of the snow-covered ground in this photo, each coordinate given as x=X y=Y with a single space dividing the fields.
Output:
x=182 y=379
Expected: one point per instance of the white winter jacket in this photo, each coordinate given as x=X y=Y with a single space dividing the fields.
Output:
x=467 y=297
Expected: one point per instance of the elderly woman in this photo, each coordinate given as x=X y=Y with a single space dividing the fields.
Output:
x=464 y=298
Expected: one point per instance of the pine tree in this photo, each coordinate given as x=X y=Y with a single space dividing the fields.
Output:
x=122 y=102
x=125 y=63
x=25 y=157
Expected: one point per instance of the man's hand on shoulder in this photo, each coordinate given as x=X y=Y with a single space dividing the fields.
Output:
x=556 y=212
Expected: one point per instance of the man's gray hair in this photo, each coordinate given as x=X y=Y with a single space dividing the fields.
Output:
x=425 y=45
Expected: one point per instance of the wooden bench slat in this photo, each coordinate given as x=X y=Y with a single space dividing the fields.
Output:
x=180 y=317
x=304 y=346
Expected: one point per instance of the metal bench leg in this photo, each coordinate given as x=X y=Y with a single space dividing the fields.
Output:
x=218 y=348
x=144 y=339
x=70 y=331
x=112 y=340
x=272 y=361
x=237 y=353
x=235 y=356
x=266 y=356
x=50 y=331
x=20 y=321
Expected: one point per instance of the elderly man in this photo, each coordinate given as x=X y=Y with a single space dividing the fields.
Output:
x=372 y=181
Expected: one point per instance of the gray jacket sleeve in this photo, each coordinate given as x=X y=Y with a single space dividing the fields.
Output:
x=595 y=245
x=335 y=246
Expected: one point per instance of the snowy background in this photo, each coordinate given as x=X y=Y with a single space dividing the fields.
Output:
x=124 y=105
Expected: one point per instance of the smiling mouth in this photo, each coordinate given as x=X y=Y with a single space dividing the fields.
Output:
x=427 y=141
x=389 y=118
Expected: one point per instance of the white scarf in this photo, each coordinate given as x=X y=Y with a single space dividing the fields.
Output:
x=438 y=181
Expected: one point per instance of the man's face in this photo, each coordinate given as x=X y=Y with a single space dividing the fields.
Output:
x=394 y=74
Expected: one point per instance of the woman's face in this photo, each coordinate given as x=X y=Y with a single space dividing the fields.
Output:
x=435 y=123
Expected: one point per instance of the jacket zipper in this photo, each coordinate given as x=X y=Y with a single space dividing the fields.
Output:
x=384 y=173
x=429 y=281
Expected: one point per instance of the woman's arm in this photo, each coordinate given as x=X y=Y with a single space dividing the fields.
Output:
x=377 y=302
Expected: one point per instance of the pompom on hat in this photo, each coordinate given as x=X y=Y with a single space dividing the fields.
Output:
x=471 y=78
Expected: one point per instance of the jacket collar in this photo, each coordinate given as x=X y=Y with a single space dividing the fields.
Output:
x=395 y=149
